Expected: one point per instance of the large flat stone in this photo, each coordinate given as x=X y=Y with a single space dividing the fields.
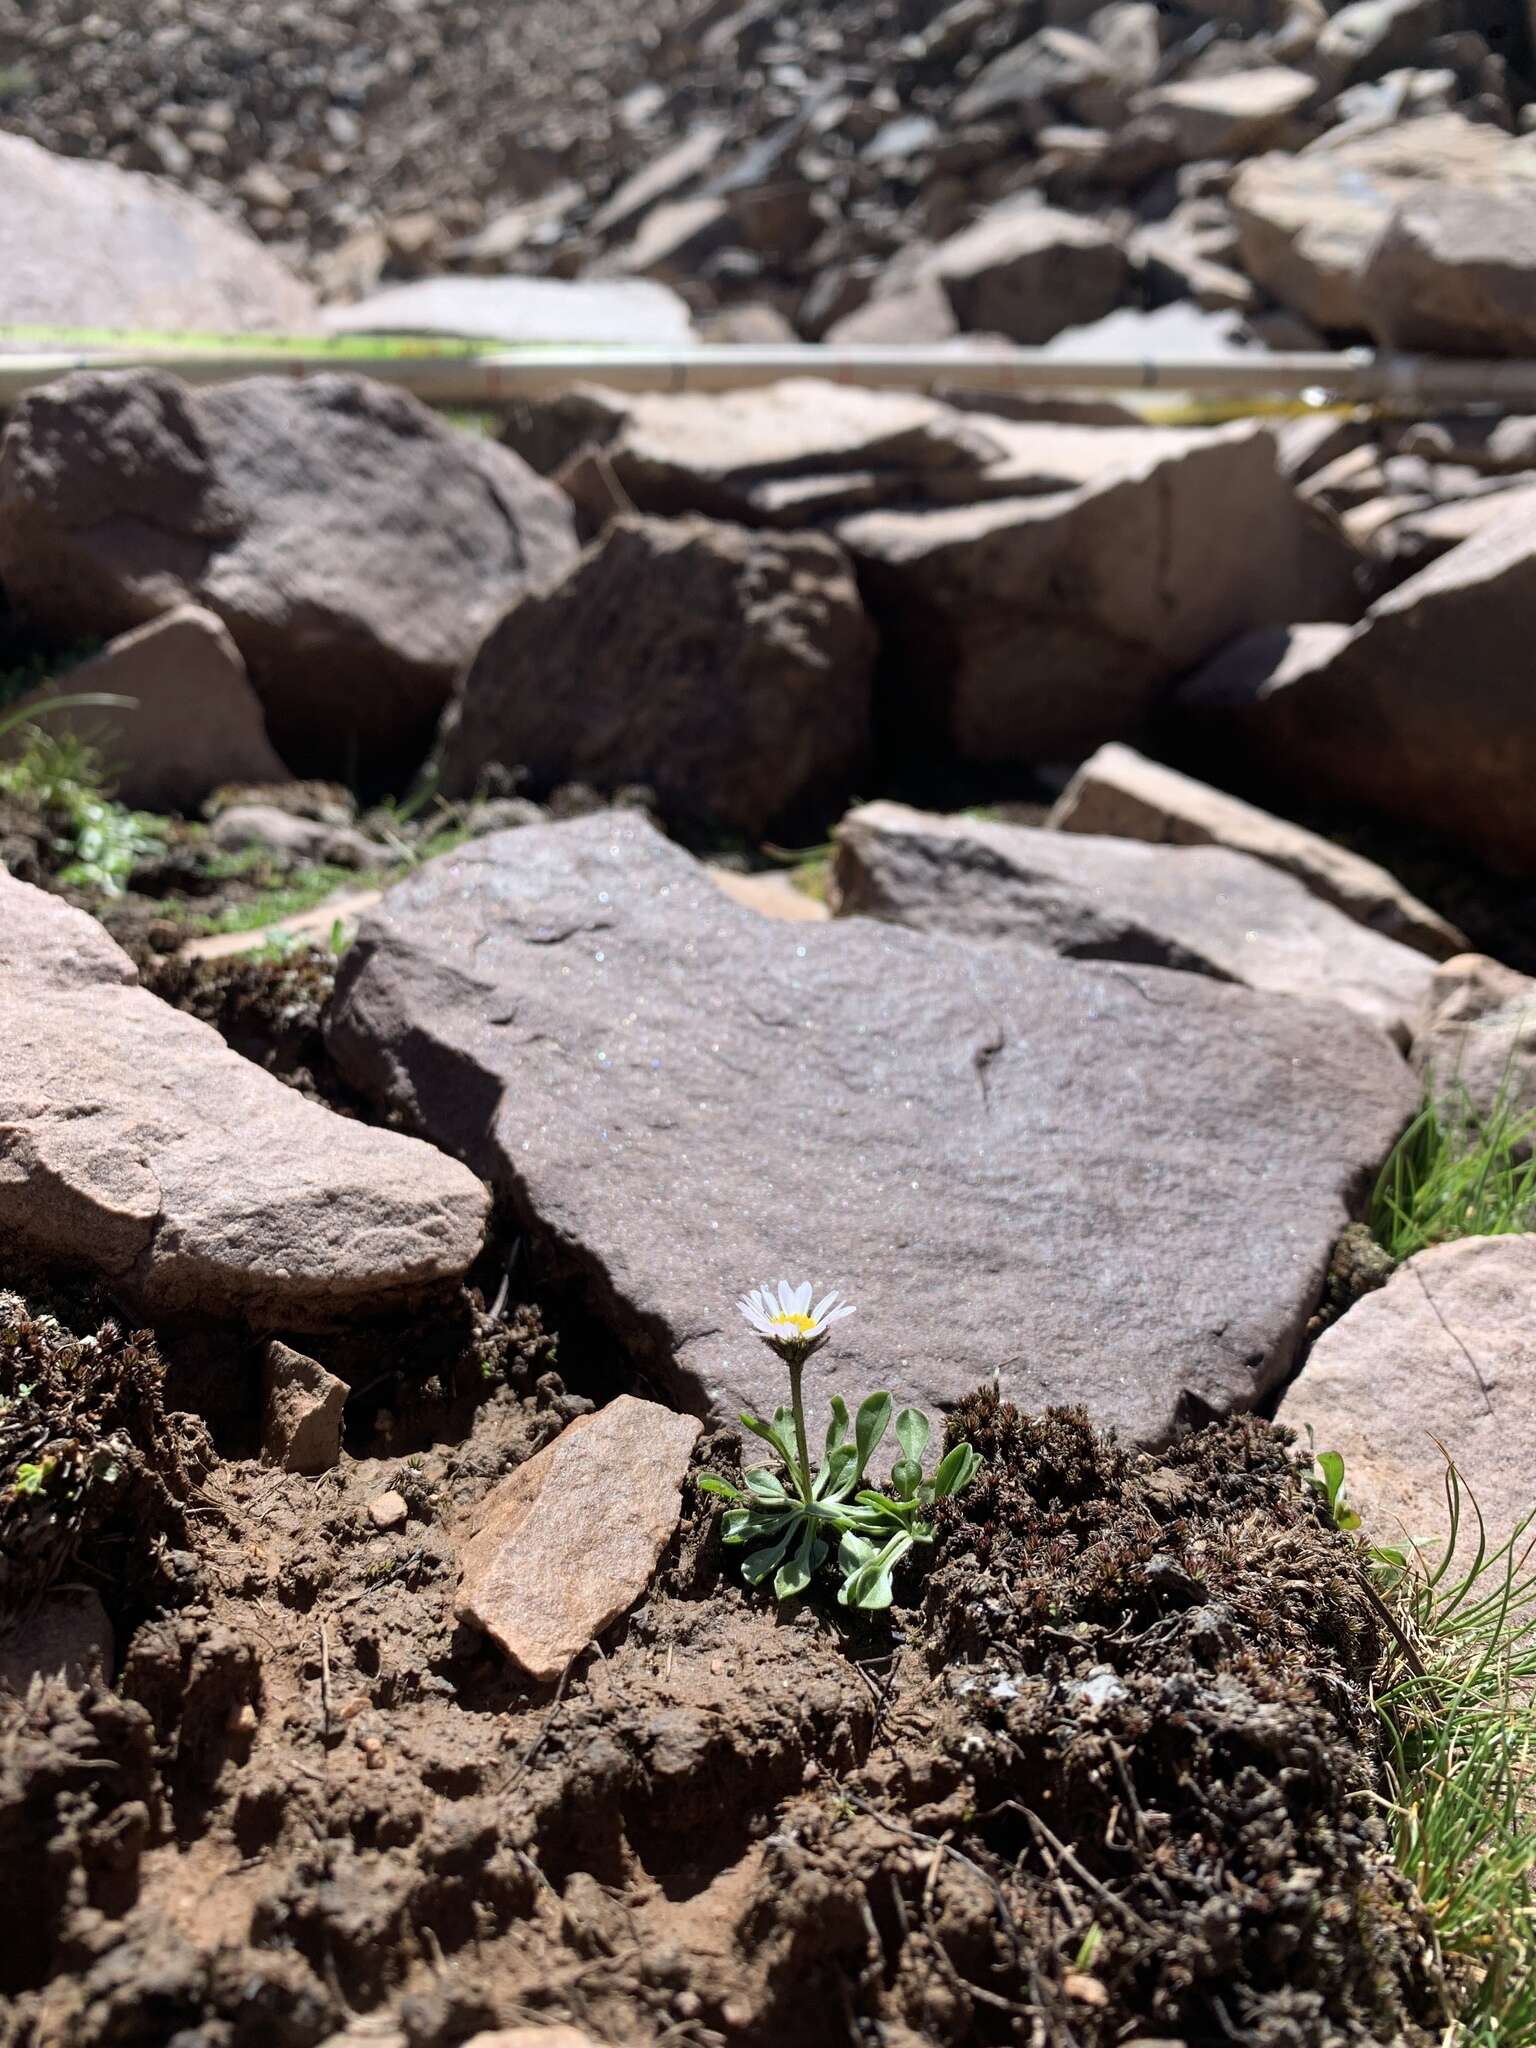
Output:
x=1109 y=1185
x=1201 y=909
x=1442 y=1355
x=48 y=943
x=85 y=244
x=135 y=1143
x=1034 y=629
x=570 y=1539
x=1423 y=711
x=590 y=311
x=1121 y=793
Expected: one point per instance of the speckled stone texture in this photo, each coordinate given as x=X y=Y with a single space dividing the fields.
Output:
x=1105 y=1184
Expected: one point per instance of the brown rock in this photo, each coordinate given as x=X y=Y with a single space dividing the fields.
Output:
x=727 y=670
x=301 y=1423
x=1368 y=716
x=1201 y=909
x=87 y=244
x=1454 y=273
x=1442 y=1355
x=1120 y=793
x=388 y=1511
x=134 y=1142
x=355 y=546
x=1027 y=271
x=569 y=1540
x=1306 y=222
x=1036 y=628
x=197 y=722
x=1232 y=114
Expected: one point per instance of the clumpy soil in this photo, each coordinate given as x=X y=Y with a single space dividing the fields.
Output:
x=1106 y=1772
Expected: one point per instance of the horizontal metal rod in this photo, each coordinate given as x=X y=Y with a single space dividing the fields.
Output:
x=1404 y=382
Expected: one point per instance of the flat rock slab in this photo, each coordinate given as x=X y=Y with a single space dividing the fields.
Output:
x=1201 y=909
x=47 y=942
x=633 y=311
x=1109 y=1185
x=1121 y=794
x=133 y=1141
x=570 y=1539
x=1474 y=1040
x=1446 y=1350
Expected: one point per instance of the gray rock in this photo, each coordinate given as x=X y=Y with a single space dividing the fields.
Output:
x=590 y=311
x=89 y=245
x=1201 y=909
x=1231 y=114
x=727 y=670
x=1120 y=793
x=1373 y=717
x=135 y=1143
x=292 y=838
x=45 y=942
x=302 y=1411
x=666 y=176
x=195 y=721
x=1014 y=1165
x=1474 y=1039
x=1454 y=273
x=1369 y=37
x=1034 y=629
x=1027 y=84
x=354 y=545
x=570 y=1539
x=1442 y=1356
x=1027 y=271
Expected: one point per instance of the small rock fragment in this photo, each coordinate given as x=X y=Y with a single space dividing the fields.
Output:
x=570 y=1539
x=388 y=1510
x=301 y=1429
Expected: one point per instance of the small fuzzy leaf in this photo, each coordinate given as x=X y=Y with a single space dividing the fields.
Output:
x=956 y=1471
x=913 y=1430
x=757 y=1564
x=873 y=1420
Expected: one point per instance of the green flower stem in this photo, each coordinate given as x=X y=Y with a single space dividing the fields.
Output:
x=797 y=1403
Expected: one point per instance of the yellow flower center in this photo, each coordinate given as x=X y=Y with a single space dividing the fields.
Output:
x=802 y=1326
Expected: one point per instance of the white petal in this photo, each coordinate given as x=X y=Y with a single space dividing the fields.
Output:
x=786 y=1297
x=837 y=1314
x=826 y=1303
x=802 y=1297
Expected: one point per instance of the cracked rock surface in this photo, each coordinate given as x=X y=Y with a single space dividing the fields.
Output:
x=679 y=1095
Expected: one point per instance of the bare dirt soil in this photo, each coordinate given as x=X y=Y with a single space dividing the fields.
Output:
x=1107 y=1773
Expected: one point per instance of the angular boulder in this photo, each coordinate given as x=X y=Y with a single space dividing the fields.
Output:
x=133 y=1142
x=1034 y=629
x=1443 y=1355
x=1422 y=712
x=759 y=455
x=1231 y=114
x=1013 y=1164
x=354 y=545
x=302 y=1411
x=1201 y=909
x=194 y=722
x=727 y=670
x=1120 y=794
x=1027 y=271
x=1306 y=222
x=570 y=1539
x=89 y=245
x=1453 y=272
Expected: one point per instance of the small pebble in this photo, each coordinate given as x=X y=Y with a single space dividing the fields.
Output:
x=389 y=1511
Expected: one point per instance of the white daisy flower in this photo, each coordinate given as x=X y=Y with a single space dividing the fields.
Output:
x=784 y=1317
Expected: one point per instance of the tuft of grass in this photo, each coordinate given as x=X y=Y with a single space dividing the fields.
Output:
x=1454 y=1173
x=61 y=780
x=1458 y=1705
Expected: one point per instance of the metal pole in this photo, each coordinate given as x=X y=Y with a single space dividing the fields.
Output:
x=1406 y=382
